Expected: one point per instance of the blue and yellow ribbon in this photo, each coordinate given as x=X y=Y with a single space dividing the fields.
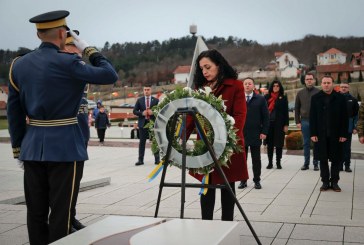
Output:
x=179 y=130
x=156 y=171
x=199 y=133
x=205 y=181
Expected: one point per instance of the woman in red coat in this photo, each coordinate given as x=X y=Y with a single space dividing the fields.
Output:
x=213 y=70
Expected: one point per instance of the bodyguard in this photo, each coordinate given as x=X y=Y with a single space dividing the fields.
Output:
x=46 y=86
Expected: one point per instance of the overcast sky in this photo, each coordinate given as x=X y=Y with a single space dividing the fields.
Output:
x=265 y=21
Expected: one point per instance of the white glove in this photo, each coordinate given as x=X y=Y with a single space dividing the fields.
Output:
x=80 y=44
x=20 y=164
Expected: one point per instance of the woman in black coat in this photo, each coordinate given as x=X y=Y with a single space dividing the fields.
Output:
x=278 y=122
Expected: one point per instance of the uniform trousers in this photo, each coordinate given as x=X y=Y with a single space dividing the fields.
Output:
x=227 y=204
x=256 y=161
x=79 y=174
x=48 y=188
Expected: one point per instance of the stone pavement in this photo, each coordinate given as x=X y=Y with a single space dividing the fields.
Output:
x=289 y=209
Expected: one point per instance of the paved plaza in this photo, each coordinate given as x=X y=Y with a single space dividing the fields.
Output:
x=289 y=209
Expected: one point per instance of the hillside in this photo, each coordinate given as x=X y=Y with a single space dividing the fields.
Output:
x=154 y=62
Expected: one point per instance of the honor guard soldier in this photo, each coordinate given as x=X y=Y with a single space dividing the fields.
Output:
x=46 y=86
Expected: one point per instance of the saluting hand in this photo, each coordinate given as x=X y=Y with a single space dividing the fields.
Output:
x=80 y=44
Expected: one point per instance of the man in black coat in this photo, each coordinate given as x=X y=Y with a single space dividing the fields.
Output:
x=329 y=129
x=255 y=129
x=144 y=113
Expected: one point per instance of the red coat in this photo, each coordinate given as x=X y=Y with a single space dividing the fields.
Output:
x=232 y=92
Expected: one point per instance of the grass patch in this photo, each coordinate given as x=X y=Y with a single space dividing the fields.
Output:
x=3 y=124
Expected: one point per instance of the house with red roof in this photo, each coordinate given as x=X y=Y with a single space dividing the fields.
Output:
x=333 y=62
x=181 y=74
x=332 y=56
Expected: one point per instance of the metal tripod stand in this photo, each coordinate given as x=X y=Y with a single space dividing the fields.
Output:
x=184 y=112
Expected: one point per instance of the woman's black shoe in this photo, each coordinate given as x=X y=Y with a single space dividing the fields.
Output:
x=242 y=185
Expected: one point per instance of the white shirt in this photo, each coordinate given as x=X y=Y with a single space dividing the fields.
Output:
x=250 y=96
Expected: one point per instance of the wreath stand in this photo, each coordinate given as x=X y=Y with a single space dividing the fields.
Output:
x=184 y=112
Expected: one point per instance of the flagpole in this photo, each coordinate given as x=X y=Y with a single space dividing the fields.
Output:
x=200 y=47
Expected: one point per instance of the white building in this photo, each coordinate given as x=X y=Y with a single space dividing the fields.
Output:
x=287 y=64
x=332 y=56
x=181 y=74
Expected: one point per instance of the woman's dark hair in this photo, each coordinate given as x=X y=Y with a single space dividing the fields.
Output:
x=225 y=70
x=281 y=89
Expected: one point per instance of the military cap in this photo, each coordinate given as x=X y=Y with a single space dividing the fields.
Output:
x=50 y=20
x=69 y=39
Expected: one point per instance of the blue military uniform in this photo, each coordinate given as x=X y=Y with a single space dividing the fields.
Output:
x=50 y=98
x=46 y=86
x=82 y=118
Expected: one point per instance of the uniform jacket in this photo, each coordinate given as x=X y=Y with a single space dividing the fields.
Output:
x=46 y=85
x=102 y=121
x=257 y=120
x=338 y=124
x=281 y=120
x=232 y=92
x=140 y=107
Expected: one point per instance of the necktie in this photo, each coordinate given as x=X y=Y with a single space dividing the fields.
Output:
x=147 y=106
x=247 y=98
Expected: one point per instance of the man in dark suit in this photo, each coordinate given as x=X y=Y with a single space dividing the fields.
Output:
x=255 y=129
x=144 y=113
x=329 y=129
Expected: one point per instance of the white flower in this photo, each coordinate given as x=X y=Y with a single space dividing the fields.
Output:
x=201 y=91
x=223 y=105
x=231 y=119
x=188 y=89
x=208 y=90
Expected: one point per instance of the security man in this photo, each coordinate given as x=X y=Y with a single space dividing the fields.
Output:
x=82 y=118
x=46 y=86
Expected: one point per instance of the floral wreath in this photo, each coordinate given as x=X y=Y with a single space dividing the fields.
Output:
x=199 y=146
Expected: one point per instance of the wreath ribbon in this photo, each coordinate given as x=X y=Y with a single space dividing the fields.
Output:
x=156 y=171
x=205 y=181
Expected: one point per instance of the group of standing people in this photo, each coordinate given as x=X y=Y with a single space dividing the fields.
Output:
x=327 y=119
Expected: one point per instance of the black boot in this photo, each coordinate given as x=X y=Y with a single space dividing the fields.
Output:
x=270 y=165
x=279 y=166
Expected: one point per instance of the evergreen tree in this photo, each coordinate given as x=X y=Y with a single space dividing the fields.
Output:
x=349 y=77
